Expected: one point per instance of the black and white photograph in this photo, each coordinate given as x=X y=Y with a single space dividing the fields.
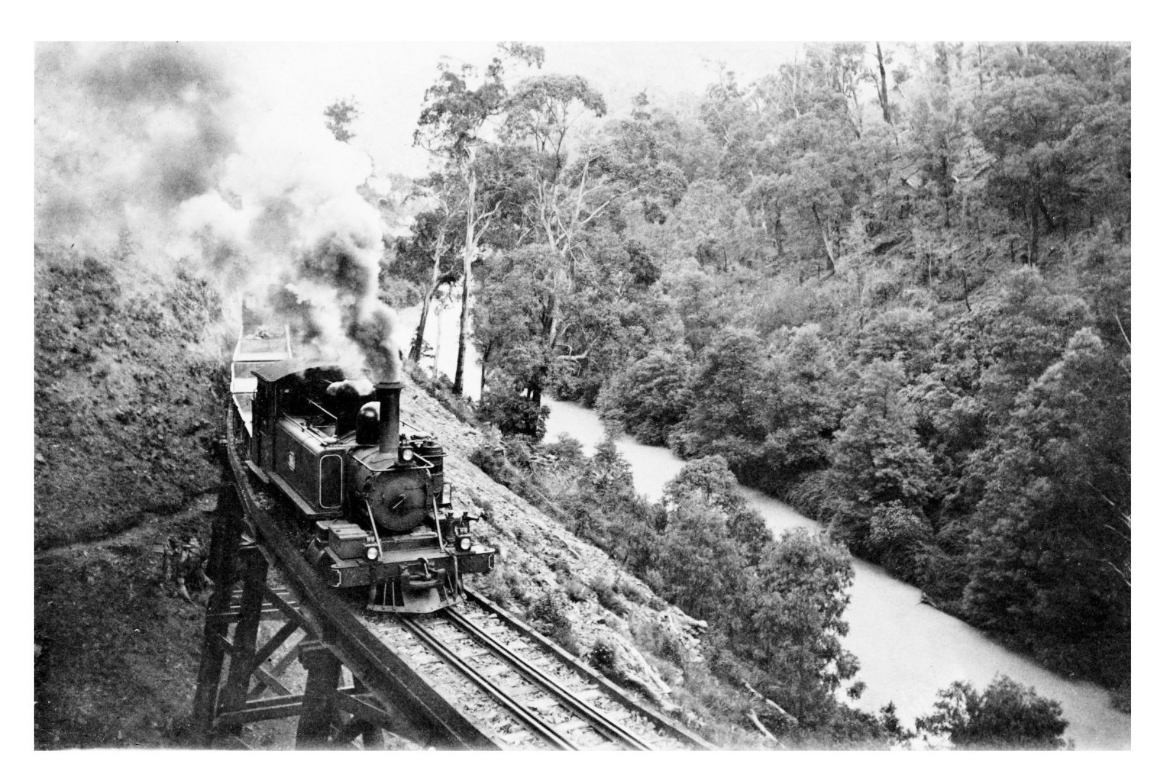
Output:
x=537 y=395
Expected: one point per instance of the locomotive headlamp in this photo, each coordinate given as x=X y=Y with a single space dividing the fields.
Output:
x=406 y=454
x=372 y=553
x=464 y=543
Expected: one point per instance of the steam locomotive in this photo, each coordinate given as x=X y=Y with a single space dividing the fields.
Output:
x=375 y=498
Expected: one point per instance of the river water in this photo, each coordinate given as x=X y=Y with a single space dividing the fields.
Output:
x=908 y=651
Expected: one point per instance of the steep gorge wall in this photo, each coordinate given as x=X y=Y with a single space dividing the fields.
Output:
x=129 y=383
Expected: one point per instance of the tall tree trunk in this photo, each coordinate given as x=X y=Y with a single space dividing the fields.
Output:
x=828 y=251
x=1034 y=230
x=457 y=387
x=828 y=244
x=468 y=256
x=1048 y=220
x=483 y=367
x=979 y=67
x=883 y=95
x=416 y=346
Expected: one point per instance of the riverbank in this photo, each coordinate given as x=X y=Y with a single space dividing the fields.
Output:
x=907 y=649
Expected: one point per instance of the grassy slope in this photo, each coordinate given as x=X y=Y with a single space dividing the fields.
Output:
x=118 y=381
x=117 y=384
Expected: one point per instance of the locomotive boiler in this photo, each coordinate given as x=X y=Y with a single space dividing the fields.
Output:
x=375 y=498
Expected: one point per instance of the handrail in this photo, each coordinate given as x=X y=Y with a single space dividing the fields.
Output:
x=324 y=411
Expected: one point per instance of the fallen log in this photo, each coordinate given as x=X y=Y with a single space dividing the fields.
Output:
x=788 y=717
x=756 y=720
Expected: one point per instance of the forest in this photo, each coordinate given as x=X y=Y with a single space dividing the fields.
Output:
x=886 y=283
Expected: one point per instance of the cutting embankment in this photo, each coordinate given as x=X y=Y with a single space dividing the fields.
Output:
x=129 y=384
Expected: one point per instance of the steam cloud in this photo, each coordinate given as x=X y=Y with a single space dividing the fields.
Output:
x=147 y=145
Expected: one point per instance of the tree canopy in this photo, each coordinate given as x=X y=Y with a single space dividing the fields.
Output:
x=888 y=283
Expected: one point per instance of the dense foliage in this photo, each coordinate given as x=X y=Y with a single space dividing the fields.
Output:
x=772 y=607
x=1005 y=716
x=889 y=284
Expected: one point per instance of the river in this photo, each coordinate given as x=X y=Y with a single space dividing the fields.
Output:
x=908 y=651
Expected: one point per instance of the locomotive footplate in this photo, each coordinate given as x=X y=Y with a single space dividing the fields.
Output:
x=409 y=574
x=396 y=564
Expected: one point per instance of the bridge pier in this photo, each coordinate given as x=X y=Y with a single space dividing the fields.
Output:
x=225 y=539
x=239 y=682
x=254 y=571
x=318 y=710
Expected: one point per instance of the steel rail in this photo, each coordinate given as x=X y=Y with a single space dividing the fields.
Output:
x=663 y=723
x=530 y=721
x=387 y=677
x=599 y=721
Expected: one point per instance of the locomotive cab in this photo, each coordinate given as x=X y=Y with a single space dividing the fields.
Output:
x=295 y=442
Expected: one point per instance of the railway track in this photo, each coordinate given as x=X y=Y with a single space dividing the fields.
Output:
x=473 y=677
x=524 y=690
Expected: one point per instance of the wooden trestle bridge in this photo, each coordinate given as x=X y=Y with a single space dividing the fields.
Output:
x=473 y=678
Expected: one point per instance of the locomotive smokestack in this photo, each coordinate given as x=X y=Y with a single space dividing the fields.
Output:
x=387 y=395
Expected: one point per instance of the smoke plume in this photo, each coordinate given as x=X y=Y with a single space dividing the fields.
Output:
x=146 y=148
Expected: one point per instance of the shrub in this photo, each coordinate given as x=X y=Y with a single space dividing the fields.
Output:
x=518 y=588
x=567 y=640
x=440 y=390
x=495 y=587
x=652 y=635
x=608 y=597
x=548 y=615
x=548 y=612
x=632 y=592
x=576 y=590
x=566 y=449
x=1005 y=716
x=514 y=414
x=603 y=657
x=649 y=397
x=896 y=535
x=491 y=460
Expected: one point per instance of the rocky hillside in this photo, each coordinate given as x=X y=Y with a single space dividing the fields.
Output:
x=566 y=587
x=126 y=405
x=128 y=375
x=127 y=381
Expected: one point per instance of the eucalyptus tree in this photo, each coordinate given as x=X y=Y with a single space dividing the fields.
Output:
x=798 y=622
x=1050 y=549
x=455 y=121
x=562 y=204
x=816 y=158
x=569 y=269
x=429 y=257
x=1056 y=120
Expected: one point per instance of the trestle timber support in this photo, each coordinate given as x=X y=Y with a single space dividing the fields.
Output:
x=240 y=677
